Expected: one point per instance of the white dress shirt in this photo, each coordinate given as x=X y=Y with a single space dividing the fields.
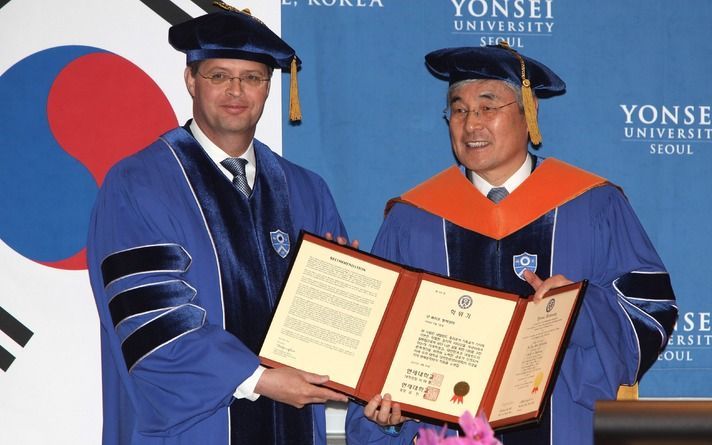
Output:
x=510 y=184
x=218 y=155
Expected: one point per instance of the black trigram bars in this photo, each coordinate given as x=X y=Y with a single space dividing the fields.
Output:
x=172 y=13
x=18 y=332
x=168 y=10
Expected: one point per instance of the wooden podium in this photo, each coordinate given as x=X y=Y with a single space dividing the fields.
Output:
x=653 y=422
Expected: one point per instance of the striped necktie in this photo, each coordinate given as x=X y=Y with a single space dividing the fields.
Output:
x=236 y=166
x=497 y=194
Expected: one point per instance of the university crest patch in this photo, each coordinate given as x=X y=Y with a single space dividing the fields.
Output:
x=280 y=242
x=522 y=262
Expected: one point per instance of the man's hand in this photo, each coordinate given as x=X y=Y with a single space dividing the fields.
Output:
x=384 y=411
x=543 y=286
x=296 y=388
x=341 y=240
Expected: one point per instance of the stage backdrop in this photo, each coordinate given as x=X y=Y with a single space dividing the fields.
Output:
x=637 y=111
x=84 y=83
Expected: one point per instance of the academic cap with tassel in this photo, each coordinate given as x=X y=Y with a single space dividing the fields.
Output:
x=236 y=34
x=499 y=62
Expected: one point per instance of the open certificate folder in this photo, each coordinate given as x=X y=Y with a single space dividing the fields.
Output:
x=437 y=345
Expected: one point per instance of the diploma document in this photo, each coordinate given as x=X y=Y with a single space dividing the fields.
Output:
x=439 y=346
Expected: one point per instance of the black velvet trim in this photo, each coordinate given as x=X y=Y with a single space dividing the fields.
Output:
x=149 y=298
x=649 y=339
x=488 y=262
x=650 y=302
x=251 y=270
x=160 y=331
x=251 y=273
x=655 y=286
x=144 y=259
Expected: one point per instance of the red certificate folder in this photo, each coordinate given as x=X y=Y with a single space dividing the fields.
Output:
x=439 y=346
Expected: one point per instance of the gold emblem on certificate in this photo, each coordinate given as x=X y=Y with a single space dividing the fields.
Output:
x=537 y=381
x=459 y=392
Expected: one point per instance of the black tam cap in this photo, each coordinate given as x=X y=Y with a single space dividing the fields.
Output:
x=236 y=34
x=494 y=62
x=499 y=62
x=230 y=35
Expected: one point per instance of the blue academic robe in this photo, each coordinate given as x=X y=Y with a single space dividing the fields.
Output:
x=186 y=271
x=627 y=313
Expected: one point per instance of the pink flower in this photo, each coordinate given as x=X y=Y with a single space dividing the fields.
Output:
x=478 y=428
x=477 y=432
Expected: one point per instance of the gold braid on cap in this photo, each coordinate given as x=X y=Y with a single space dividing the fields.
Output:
x=226 y=7
x=527 y=98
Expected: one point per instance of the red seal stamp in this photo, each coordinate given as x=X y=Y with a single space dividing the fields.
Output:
x=459 y=392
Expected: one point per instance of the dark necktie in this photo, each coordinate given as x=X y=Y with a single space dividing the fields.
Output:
x=497 y=194
x=236 y=166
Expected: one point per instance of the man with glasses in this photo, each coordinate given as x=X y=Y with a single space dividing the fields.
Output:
x=508 y=219
x=189 y=243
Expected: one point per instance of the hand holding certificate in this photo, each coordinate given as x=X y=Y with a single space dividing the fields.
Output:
x=438 y=345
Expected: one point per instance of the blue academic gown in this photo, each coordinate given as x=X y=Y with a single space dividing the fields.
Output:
x=186 y=271
x=627 y=313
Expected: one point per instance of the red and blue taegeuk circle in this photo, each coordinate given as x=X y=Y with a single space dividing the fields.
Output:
x=69 y=113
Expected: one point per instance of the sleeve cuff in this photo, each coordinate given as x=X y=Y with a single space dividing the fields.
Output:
x=246 y=390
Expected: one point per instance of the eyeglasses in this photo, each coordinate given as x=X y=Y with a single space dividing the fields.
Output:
x=246 y=80
x=484 y=112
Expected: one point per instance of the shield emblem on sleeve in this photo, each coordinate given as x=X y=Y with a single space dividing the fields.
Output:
x=280 y=242
x=523 y=262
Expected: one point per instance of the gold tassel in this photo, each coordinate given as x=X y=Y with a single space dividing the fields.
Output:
x=530 y=113
x=626 y=392
x=295 y=110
